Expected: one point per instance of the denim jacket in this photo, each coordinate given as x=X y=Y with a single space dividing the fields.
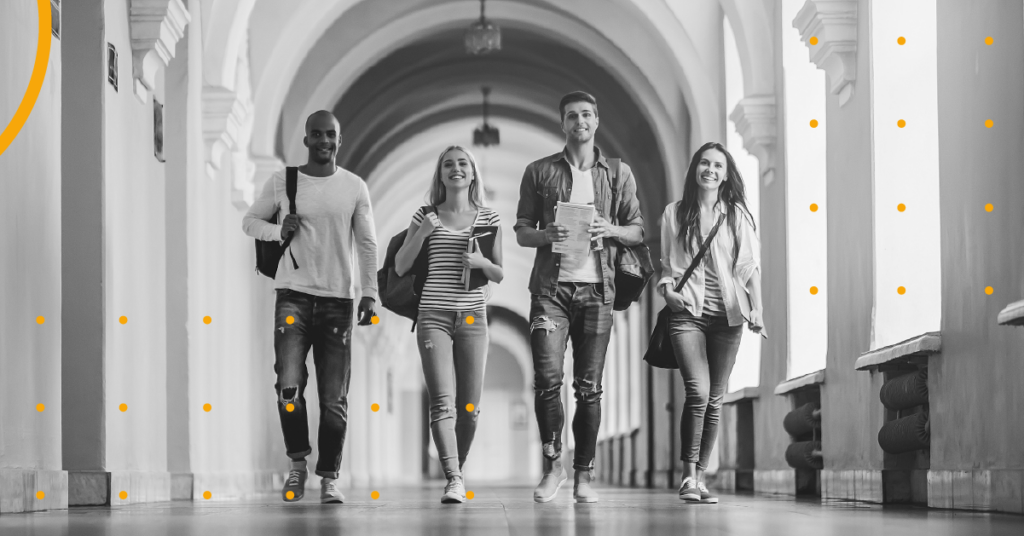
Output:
x=548 y=181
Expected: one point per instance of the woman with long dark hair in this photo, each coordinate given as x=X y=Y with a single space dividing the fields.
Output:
x=451 y=329
x=708 y=312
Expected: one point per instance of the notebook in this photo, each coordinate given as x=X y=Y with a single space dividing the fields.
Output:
x=481 y=239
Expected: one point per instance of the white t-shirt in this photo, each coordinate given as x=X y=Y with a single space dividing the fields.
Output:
x=582 y=269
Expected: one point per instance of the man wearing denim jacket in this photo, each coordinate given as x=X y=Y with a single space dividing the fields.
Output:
x=572 y=297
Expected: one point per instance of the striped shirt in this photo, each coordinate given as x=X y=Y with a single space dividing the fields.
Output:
x=443 y=289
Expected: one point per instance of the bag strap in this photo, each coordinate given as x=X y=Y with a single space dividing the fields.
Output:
x=615 y=168
x=700 y=254
x=291 y=186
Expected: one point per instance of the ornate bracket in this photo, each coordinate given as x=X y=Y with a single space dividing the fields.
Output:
x=834 y=24
x=156 y=28
x=223 y=115
x=755 y=122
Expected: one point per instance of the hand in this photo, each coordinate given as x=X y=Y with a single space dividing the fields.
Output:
x=675 y=301
x=602 y=228
x=429 y=224
x=290 y=226
x=555 y=233
x=756 y=321
x=474 y=260
x=366 y=310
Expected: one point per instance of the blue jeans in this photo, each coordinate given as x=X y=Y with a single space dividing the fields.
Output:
x=576 y=312
x=454 y=355
x=326 y=325
x=705 y=348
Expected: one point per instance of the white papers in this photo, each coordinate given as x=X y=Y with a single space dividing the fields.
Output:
x=576 y=218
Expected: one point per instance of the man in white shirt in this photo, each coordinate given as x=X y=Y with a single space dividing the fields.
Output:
x=315 y=295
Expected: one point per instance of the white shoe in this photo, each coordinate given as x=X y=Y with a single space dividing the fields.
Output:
x=455 y=491
x=329 y=492
x=705 y=496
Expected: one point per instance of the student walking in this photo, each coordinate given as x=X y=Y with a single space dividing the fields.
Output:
x=708 y=312
x=451 y=329
x=314 y=296
x=572 y=296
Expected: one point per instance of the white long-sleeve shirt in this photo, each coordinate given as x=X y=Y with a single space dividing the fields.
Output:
x=335 y=218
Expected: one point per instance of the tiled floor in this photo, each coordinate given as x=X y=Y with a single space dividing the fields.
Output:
x=415 y=511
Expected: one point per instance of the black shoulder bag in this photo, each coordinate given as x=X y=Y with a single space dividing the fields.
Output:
x=633 y=266
x=659 y=349
x=268 y=252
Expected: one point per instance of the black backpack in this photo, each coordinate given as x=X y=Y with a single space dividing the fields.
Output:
x=633 y=266
x=268 y=252
x=401 y=294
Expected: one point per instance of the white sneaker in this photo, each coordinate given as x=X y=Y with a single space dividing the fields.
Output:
x=705 y=496
x=688 y=490
x=455 y=491
x=329 y=492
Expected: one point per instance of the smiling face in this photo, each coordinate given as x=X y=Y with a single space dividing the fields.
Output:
x=579 y=122
x=456 y=170
x=711 y=170
x=322 y=138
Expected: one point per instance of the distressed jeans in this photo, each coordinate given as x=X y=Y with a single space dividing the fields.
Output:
x=325 y=324
x=705 y=349
x=576 y=312
x=454 y=355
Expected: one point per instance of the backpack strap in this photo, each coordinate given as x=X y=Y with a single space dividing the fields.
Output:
x=291 y=186
x=615 y=174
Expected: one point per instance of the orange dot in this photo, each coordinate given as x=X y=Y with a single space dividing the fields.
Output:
x=814 y=291
x=289 y=495
x=989 y=123
x=290 y=407
x=901 y=207
x=123 y=320
x=375 y=320
x=470 y=320
x=901 y=290
x=814 y=207
x=207 y=407
x=123 y=408
x=901 y=123
x=470 y=407
x=207 y=495
x=902 y=40
x=290 y=319
x=989 y=290
x=123 y=495
x=470 y=495
x=40 y=495
x=40 y=407
x=814 y=40
x=989 y=40
x=375 y=495
x=40 y=319
x=207 y=320
x=989 y=207
x=814 y=123
x=375 y=407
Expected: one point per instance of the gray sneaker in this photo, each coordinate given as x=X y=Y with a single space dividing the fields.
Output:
x=294 y=485
x=688 y=490
x=549 y=484
x=705 y=496
x=582 y=491
x=329 y=492
x=454 y=492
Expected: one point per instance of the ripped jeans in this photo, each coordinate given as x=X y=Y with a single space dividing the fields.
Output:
x=326 y=325
x=576 y=312
x=454 y=354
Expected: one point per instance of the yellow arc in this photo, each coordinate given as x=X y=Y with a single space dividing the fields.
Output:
x=35 y=84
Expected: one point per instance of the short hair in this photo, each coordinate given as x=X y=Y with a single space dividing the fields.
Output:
x=576 y=96
x=321 y=113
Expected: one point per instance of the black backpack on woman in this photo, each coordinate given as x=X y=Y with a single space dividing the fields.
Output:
x=401 y=294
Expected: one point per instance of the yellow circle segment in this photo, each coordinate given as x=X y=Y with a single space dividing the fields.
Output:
x=35 y=83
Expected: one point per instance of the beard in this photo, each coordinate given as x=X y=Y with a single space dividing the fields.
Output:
x=316 y=158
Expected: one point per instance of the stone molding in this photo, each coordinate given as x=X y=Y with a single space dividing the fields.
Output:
x=156 y=26
x=739 y=395
x=1000 y=490
x=18 y=489
x=755 y=119
x=919 y=346
x=834 y=24
x=864 y=485
x=1012 y=315
x=801 y=382
x=223 y=115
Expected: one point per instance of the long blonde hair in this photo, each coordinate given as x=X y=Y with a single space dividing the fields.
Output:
x=438 y=193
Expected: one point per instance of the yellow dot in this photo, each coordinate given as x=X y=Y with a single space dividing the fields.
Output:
x=374 y=407
x=470 y=495
x=989 y=290
x=40 y=495
x=814 y=123
x=470 y=320
x=814 y=291
x=290 y=407
x=375 y=495
x=902 y=40
x=375 y=319
x=123 y=320
x=290 y=495
x=207 y=320
x=901 y=290
x=470 y=407
x=290 y=320
x=40 y=319
x=989 y=207
x=989 y=40
x=814 y=40
x=814 y=207
x=901 y=207
x=901 y=123
x=207 y=495
x=123 y=408
x=989 y=123
x=123 y=495
x=207 y=407
x=40 y=407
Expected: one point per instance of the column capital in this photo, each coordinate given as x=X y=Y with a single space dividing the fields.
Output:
x=755 y=119
x=156 y=26
x=223 y=114
x=834 y=24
